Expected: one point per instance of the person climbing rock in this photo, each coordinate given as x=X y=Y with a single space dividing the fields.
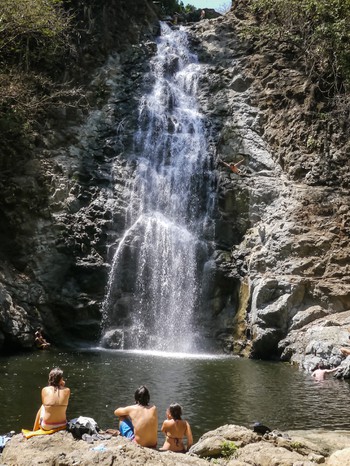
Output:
x=233 y=166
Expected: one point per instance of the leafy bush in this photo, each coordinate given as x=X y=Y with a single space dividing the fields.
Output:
x=320 y=29
x=32 y=32
x=228 y=448
x=170 y=7
x=34 y=37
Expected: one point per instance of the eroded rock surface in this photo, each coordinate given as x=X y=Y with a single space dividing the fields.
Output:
x=229 y=445
x=282 y=225
x=58 y=193
x=280 y=284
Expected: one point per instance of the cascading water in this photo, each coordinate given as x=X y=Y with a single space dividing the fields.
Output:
x=156 y=276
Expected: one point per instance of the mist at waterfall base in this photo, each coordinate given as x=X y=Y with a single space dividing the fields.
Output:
x=213 y=391
x=155 y=289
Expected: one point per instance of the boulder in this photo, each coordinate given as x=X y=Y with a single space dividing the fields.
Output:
x=339 y=458
x=231 y=445
x=319 y=341
x=273 y=304
x=61 y=449
x=209 y=447
x=267 y=454
x=306 y=316
x=239 y=434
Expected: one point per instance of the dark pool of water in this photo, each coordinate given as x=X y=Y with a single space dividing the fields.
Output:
x=213 y=391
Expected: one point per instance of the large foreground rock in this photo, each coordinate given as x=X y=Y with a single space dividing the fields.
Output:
x=238 y=446
x=62 y=450
x=229 y=445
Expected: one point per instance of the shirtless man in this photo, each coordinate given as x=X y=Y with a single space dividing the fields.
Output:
x=233 y=166
x=320 y=373
x=139 y=422
x=54 y=397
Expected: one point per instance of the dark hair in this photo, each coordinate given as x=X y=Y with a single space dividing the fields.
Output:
x=142 y=396
x=55 y=377
x=175 y=411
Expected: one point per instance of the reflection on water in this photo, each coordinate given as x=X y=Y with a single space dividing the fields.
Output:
x=213 y=390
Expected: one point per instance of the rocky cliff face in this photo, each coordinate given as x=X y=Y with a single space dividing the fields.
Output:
x=280 y=281
x=54 y=193
x=282 y=225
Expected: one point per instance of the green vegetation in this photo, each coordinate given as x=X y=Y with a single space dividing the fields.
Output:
x=34 y=37
x=178 y=6
x=170 y=7
x=228 y=449
x=318 y=29
x=296 y=445
x=32 y=32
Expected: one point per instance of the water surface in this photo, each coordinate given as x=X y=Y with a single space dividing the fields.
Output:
x=213 y=390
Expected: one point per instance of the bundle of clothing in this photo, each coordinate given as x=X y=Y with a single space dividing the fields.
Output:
x=5 y=438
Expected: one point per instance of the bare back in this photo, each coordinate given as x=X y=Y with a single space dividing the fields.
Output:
x=175 y=432
x=55 y=402
x=145 y=422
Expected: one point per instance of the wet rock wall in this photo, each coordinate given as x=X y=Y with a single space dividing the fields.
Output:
x=282 y=223
x=55 y=224
x=279 y=276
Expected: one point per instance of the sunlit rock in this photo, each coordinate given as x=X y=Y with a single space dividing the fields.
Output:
x=113 y=339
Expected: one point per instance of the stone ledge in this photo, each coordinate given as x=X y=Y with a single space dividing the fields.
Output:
x=230 y=445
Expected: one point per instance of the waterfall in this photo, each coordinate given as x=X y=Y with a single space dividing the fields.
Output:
x=154 y=293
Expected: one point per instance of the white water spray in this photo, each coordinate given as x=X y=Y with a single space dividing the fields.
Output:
x=154 y=287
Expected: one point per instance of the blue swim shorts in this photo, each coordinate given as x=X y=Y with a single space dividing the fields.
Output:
x=126 y=429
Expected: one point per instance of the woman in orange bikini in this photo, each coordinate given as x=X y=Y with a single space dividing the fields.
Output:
x=52 y=414
x=175 y=430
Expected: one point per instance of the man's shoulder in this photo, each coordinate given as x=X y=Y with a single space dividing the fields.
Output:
x=151 y=407
x=131 y=408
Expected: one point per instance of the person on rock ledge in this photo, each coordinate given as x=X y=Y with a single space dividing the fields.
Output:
x=233 y=166
x=175 y=430
x=139 y=422
x=40 y=341
x=55 y=397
